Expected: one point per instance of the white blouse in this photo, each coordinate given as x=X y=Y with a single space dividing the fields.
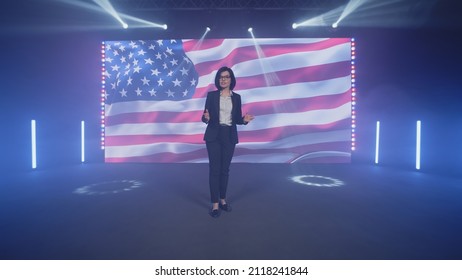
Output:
x=226 y=105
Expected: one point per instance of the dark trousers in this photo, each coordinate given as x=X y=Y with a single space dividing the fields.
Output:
x=220 y=153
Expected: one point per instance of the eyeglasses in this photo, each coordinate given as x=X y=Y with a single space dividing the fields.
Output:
x=224 y=77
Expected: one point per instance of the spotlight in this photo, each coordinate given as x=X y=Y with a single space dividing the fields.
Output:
x=164 y=27
x=199 y=43
x=294 y=25
x=125 y=26
x=335 y=25
x=250 y=29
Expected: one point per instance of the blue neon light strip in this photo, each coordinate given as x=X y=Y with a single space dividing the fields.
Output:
x=82 y=129
x=33 y=142
x=377 y=142
x=417 y=151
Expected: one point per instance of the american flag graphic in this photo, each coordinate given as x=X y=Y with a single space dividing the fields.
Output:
x=299 y=91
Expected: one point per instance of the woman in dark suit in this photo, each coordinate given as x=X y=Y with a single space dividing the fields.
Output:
x=221 y=114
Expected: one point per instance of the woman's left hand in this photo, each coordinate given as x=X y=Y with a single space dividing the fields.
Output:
x=248 y=118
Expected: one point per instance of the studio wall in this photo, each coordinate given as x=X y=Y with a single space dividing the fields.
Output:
x=402 y=75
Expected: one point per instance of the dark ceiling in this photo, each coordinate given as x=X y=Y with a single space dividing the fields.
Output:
x=227 y=4
x=65 y=15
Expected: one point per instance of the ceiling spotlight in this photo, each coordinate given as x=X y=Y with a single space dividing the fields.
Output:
x=208 y=29
x=124 y=25
x=334 y=25
x=164 y=27
x=294 y=25
x=250 y=29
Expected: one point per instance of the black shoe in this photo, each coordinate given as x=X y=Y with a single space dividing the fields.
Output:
x=225 y=207
x=215 y=213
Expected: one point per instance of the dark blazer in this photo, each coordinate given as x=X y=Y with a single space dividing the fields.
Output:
x=212 y=104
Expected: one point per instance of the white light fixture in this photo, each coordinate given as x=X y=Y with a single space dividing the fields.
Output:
x=33 y=142
x=377 y=141
x=82 y=140
x=417 y=147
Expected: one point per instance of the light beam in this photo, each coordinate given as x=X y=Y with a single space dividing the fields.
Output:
x=107 y=6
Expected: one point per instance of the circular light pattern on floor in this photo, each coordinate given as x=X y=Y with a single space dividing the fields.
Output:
x=110 y=187
x=317 y=181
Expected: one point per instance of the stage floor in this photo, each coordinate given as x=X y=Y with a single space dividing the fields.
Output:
x=160 y=211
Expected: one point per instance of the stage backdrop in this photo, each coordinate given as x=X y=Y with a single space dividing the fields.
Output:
x=298 y=89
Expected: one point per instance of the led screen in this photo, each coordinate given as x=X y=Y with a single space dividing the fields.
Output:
x=299 y=90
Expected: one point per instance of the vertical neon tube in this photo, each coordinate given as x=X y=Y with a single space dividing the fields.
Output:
x=417 y=150
x=33 y=142
x=377 y=142
x=82 y=140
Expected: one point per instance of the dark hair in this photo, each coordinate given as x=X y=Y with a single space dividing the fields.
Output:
x=231 y=74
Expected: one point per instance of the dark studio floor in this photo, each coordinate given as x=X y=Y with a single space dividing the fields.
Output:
x=160 y=211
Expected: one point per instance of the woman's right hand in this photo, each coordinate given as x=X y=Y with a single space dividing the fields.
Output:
x=206 y=115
